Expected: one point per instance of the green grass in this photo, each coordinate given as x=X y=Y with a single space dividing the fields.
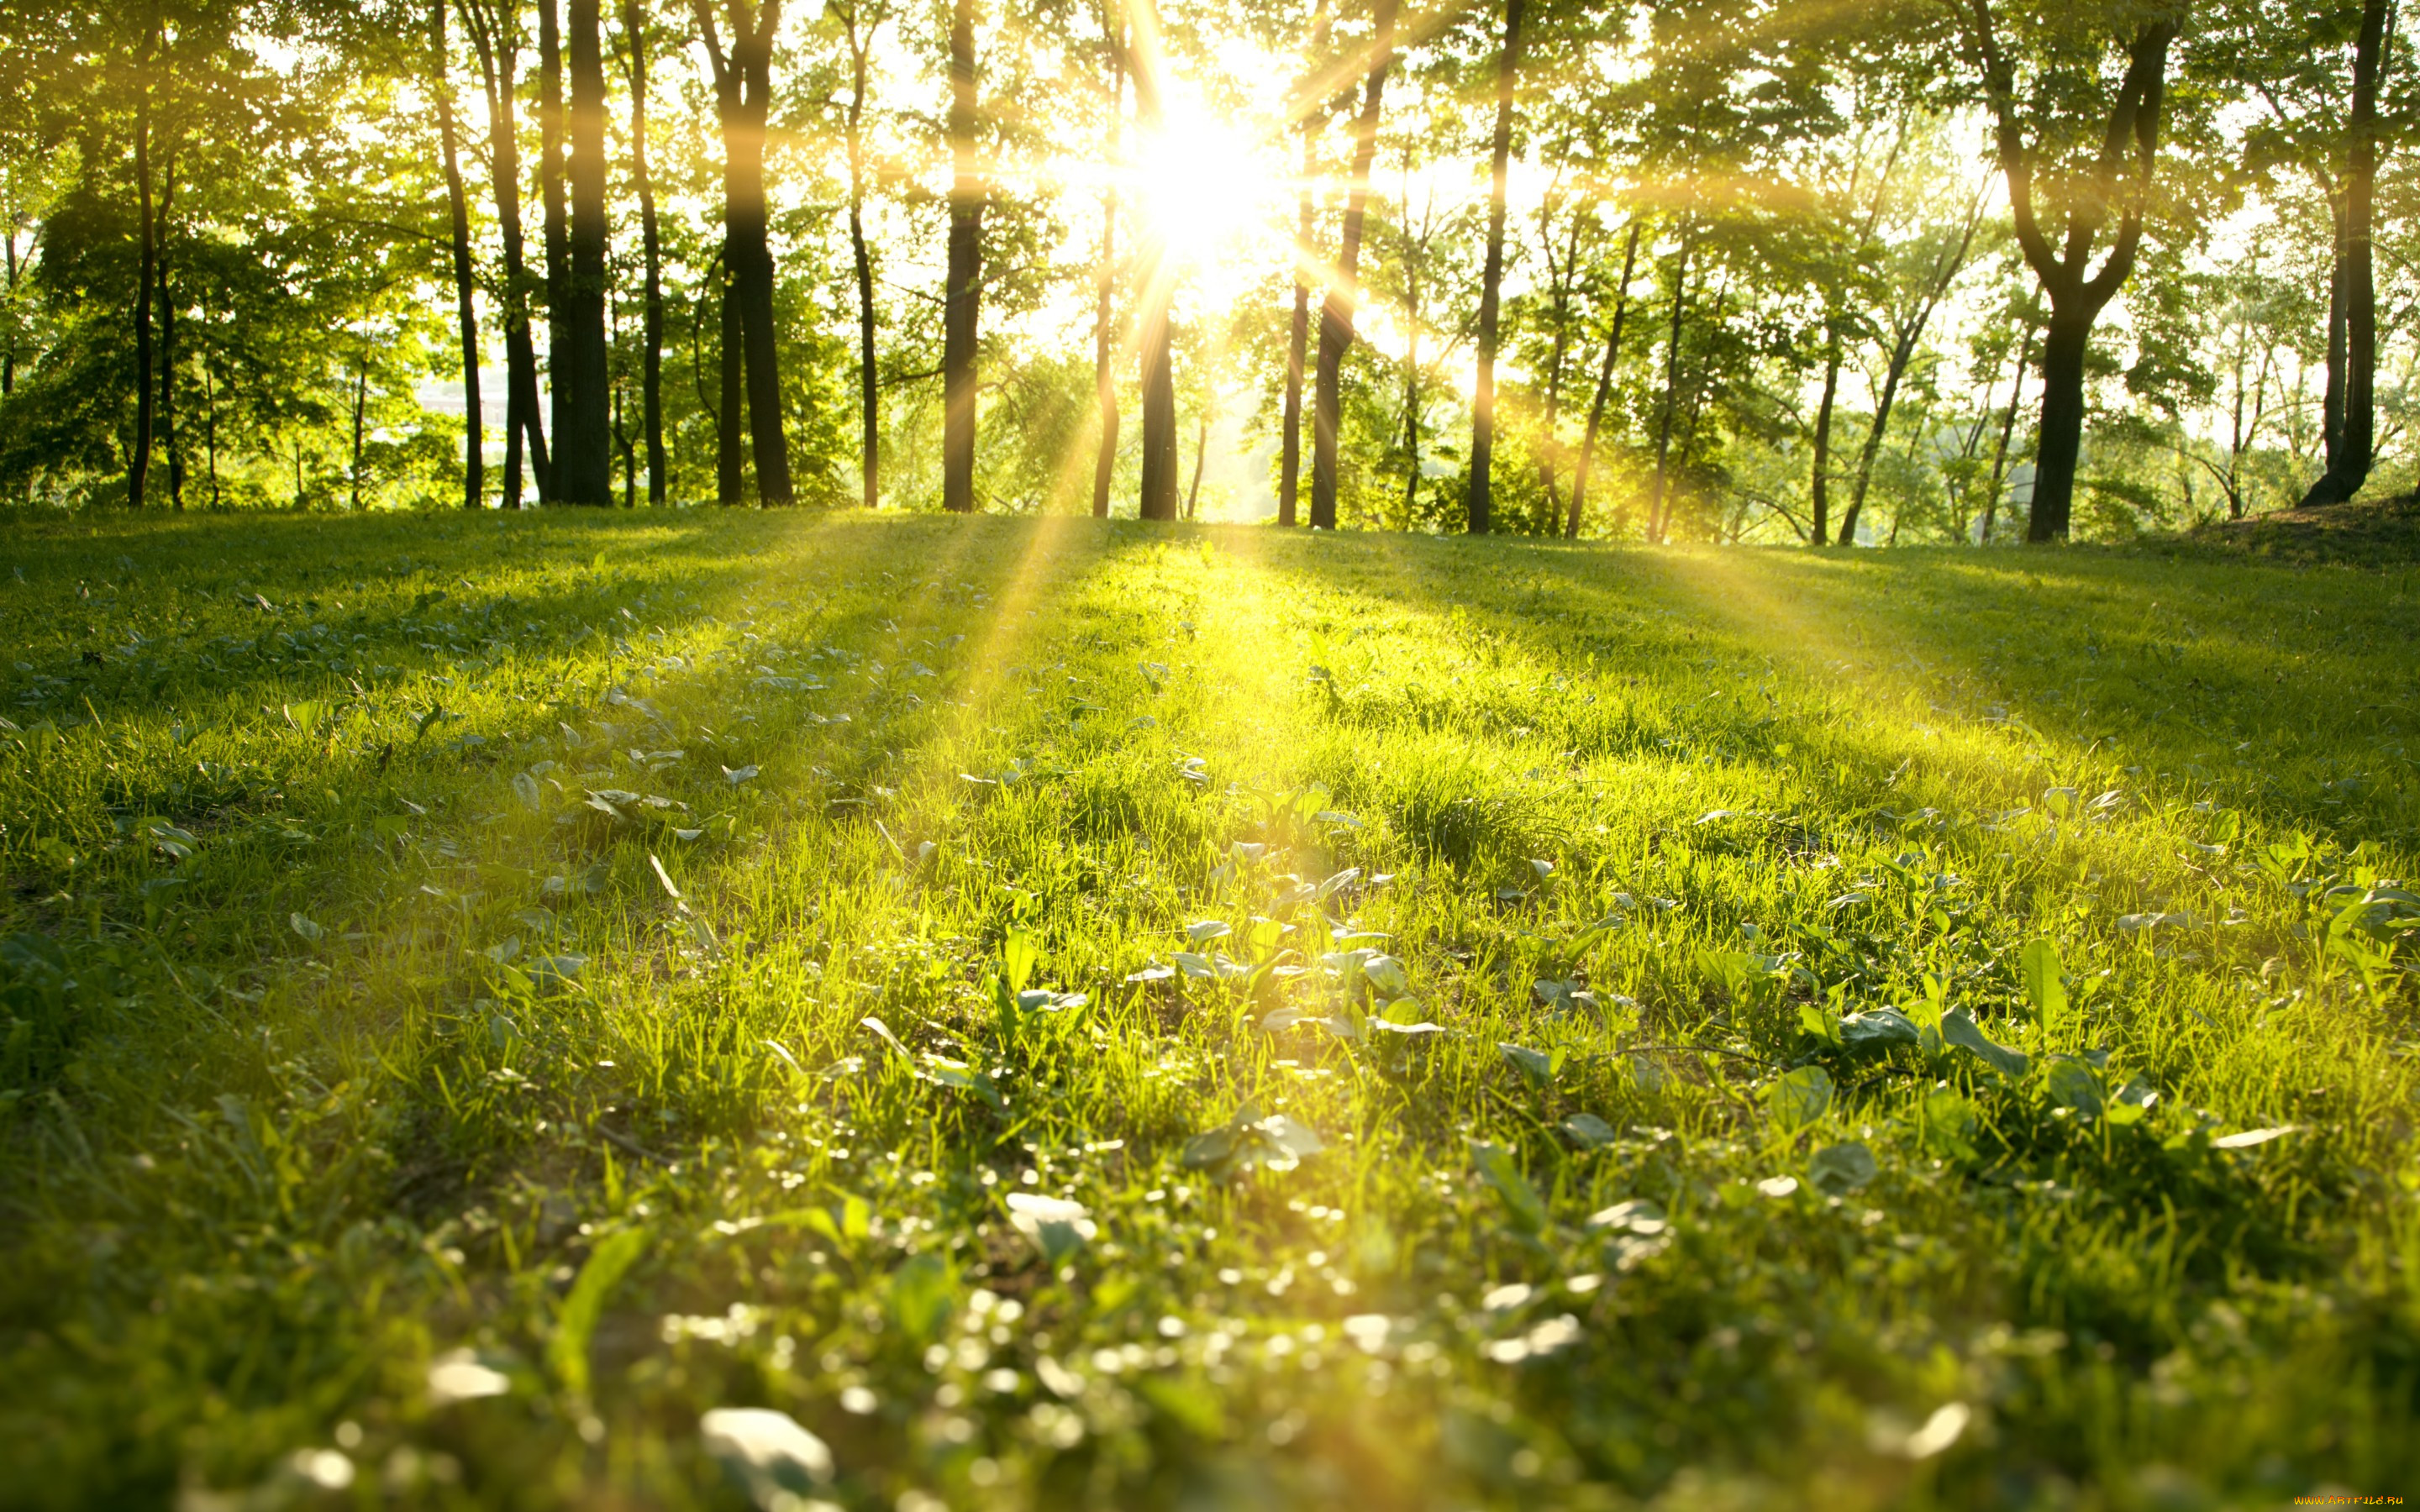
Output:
x=344 y=1034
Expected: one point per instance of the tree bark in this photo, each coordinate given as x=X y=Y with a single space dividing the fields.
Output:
x=2007 y=429
x=1201 y=453
x=1672 y=393
x=1603 y=385
x=584 y=440
x=2076 y=297
x=2355 y=285
x=1104 y=373
x=559 y=364
x=1158 y=289
x=1344 y=289
x=1559 y=279
x=743 y=86
x=494 y=36
x=869 y=388
x=1483 y=404
x=1819 y=484
x=962 y=289
x=361 y=408
x=138 y=462
x=170 y=446
x=1298 y=332
x=473 y=431
x=651 y=370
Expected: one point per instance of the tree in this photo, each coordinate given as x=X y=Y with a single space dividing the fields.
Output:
x=635 y=29
x=2352 y=356
x=859 y=40
x=962 y=287
x=2062 y=189
x=473 y=442
x=1603 y=381
x=1157 y=283
x=743 y=89
x=584 y=459
x=495 y=33
x=1483 y=435
x=1343 y=290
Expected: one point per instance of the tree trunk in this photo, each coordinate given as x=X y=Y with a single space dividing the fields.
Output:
x=494 y=37
x=584 y=440
x=962 y=290
x=1819 y=486
x=651 y=370
x=744 y=91
x=1157 y=280
x=169 y=445
x=2062 y=428
x=473 y=437
x=1672 y=393
x=731 y=397
x=559 y=364
x=2332 y=397
x=1603 y=385
x=1411 y=365
x=1344 y=289
x=360 y=408
x=1559 y=300
x=138 y=462
x=1490 y=283
x=2351 y=454
x=8 y=354
x=2007 y=429
x=1105 y=371
x=869 y=388
x=1200 y=452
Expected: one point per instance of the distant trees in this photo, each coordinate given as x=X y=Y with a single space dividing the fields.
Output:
x=1700 y=268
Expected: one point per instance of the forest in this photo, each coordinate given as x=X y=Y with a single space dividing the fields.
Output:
x=1734 y=270
x=1145 y=757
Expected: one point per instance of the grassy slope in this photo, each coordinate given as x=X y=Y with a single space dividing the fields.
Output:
x=255 y=1182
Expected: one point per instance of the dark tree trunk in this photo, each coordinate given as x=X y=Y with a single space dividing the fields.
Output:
x=1158 y=281
x=2332 y=397
x=1910 y=330
x=1490 y=283
x=2076 y=296
x=1603 y=385
x=1298 y=333
x=743 y=89
x=1819 y=485
x=2350 y=457
x=473 y=437
x=731 y=399
x=170 y=446
x=1560 y=299
x=651 y=370
x=559 y=365
x=138 y=462
x=584 y=441
x=869 y=387
x=1105 y=371
x=494 y=35
x=8 y=354
x=1201 y=453
x=2061 y=442
x=962 y=288
x=1344 y=287
x=360 y=409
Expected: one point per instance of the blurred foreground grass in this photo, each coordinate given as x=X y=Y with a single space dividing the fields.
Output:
x=1083 y=1016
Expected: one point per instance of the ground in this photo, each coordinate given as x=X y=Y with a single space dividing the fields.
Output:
x=1081 y=1015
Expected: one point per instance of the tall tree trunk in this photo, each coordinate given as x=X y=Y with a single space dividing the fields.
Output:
x=169 y=445
x=869 y=387
x=1559 y=300
x=474 y=432
x=1201 y=453
x=1105 y=371
x=730 y=395
x=9 y=354
x=496 y=37
x=1945 y=273
x=1603 y=385
x=361 y=410
x=743 y=90
x=2355 y=288
x=2076 y=295
x=2007 y=429
x=1298 y=333
x=2332 y=395
x=1818 y=481
x=584 y=441
x=1158 y=281
x=1491 y=281
x=560 y=368
x=651 y=369
x=1345 y=288
x=1411 y=364
x=138 y=462
x=1672 y=393
x=962 y=289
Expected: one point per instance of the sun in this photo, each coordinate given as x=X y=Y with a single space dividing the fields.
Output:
x=1204 y=183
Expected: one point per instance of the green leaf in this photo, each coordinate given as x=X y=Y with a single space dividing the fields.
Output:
x=575 y=1324
x=2038 y=965
x=1019 y=953
x=1799 y=1098
x=1957 y=1028
x=1877 y=1030
x=2131 y=1103
x=2072 y=1084
x=1522 y=1202
x=1536 y=1065
x=923 y=1294
x=1588 y=1131
x=1841 y=1168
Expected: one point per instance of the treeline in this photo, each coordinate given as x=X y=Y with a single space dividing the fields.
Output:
x=1737 y=270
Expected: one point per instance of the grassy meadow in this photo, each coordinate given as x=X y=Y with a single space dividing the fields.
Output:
x=1097 y=1015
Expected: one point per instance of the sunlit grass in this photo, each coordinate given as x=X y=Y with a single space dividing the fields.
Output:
x=370 y=1075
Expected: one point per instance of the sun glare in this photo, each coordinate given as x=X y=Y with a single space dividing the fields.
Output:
x=1203 y=184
